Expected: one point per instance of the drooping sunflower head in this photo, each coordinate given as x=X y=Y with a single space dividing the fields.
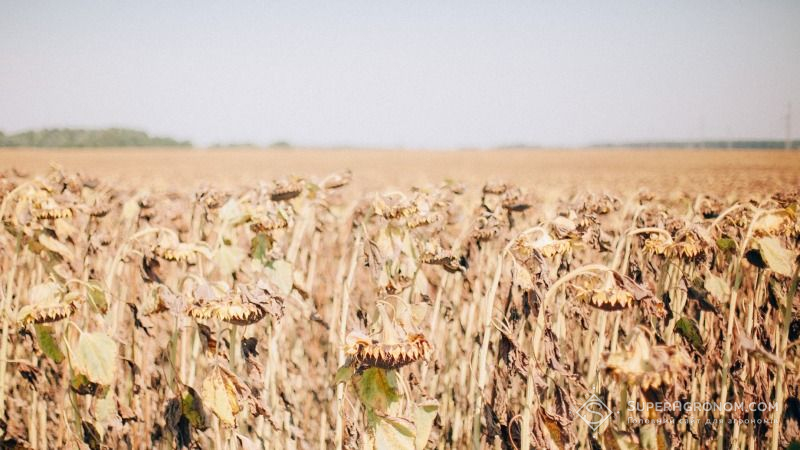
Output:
x=540 y=242
x=393 y=206
x=169 y=248
x=244 y=305
x=495 y=188
x=287 y=189
x=432 y=253
x=49 y=302
x=515 y=200
x=657 y=244
x=367 y=352
x=337 y=180
x=269 y=221
x=603 y=292
x=486 y=228
x=646 y=365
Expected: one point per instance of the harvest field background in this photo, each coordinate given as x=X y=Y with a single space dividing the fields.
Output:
x=717 y=171
x=397 y=299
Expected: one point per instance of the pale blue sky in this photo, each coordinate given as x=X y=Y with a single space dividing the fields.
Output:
x=405 y=73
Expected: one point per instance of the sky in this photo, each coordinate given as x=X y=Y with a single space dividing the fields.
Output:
x=411 y=74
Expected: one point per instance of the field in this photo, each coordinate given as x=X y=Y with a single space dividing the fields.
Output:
x=298 y=299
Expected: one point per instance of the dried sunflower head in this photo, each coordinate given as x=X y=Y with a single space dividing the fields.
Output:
x=515 y=200
x=170 y=249
x=97 y=203
x=270 y=221
x=648 y=366
x=453 y=187
x=231 y=310
x=788 y=198
x=49 y=303
x=675 y=225
x=603 y=293
x=146 y=201
x=49 y=208
x=243 y=306
x=564 y=228
x=486 y=228
x=599 y=204
x=709 y=208
x=586 y=222
x=337 y=180
x=689 y=247
x=524 y=245
x=645 y=196
x=284 y=190
x=211 y=198
x=393 y=206
x=421 y=220
x=366 y=352
x=161 y=299
x=777 y=223
x=495 y=188
x=657 y=244
x=433 y=253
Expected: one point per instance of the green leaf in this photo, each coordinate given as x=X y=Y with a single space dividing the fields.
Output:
x=726 y=244
x=97 y=297
x=259 y=246
x=344 y=374
x=423 y=422
x=96 y=358
x=83 y=386
x=192 y=409
x=377 y=388
x=48 y=343
x=777 y=257
x=687 y=328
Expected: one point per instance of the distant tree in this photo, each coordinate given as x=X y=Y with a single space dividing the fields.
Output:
x=71 y=137
x=280 y=144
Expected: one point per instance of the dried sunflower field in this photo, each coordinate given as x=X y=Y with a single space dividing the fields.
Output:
x=313 y=310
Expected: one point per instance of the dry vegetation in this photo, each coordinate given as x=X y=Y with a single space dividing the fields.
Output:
x=231 y=304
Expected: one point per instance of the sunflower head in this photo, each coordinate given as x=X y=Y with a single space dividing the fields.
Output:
x=48 y=303
x=283 y=190
x=646 y=365
x=269 y=221
x=525 y=245
x=688 y=247
x=337 y=180
x=393 y=206
x=433 y=253
x=515 y=200
x=486 y=228
x=603 y=293
x=420 y=220
x=657 y=244
x=242 y=306
x=495 y=188
x=365 y=352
